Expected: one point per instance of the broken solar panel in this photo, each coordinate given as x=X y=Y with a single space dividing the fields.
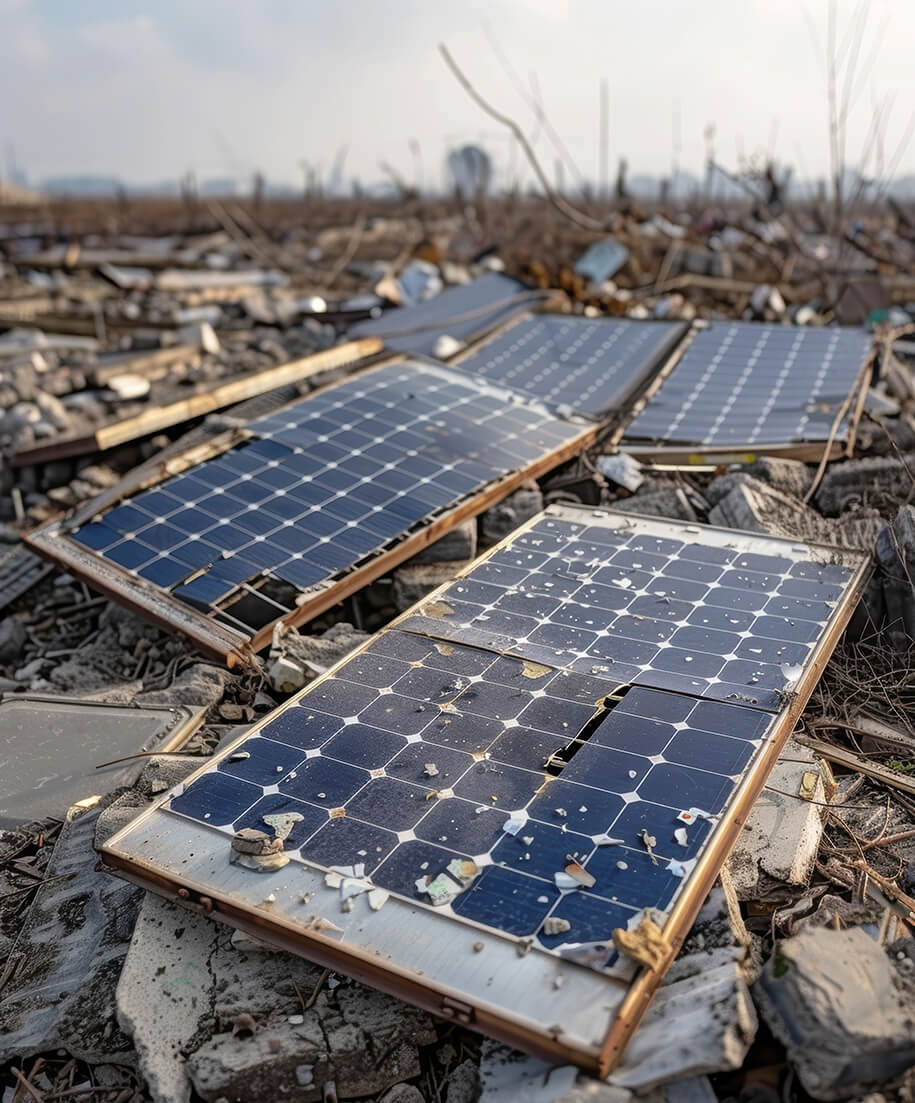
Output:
x=514 y=785
x=747 y=385
x=591 y=366
x=321 y=485
x=700 y=611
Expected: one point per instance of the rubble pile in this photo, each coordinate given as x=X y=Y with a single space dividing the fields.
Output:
x=797 y=980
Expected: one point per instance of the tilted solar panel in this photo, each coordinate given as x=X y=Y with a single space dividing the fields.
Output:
x=322 y=485
x=590 y=365
x=745 y=385
x=463 y=312
x=521 y=761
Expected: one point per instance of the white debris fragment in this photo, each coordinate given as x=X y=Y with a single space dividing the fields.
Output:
x=680 y=836
x=680 y=869
x=792 y=672
x=282 y=823
x=554 y=925
x=564 y=882
x=606 y=840
x=377 y=899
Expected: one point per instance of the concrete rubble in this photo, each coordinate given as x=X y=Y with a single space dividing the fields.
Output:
x=797 y=979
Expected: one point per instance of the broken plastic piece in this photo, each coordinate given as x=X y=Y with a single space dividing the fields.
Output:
x=680 y=869
x=282 y=823
x=578 y=872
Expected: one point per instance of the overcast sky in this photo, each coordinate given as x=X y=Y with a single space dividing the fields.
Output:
x=148 y=89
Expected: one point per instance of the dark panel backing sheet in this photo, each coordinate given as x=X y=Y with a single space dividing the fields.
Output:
x=464 y=313
x=749 y=386
x=473 y=805
x=321 y=486
x=592 y=366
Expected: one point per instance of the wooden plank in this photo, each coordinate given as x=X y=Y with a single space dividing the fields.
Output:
x=859 y=764
x=146 y=362
x=226 y=394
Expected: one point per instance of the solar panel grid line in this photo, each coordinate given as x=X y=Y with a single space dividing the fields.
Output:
x=645 y=614
x=359 y=498
x=489 y=724
x=749 y=387
x=589 y=365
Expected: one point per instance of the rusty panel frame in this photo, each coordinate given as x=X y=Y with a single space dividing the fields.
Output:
x=626 y=1002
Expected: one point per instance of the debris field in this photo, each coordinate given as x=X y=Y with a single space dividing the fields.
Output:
x=451 y=654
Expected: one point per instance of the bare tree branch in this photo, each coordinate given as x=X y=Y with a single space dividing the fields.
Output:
x=578 y=217
x=534 y=102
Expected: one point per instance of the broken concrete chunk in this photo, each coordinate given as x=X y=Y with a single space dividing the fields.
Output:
x=415 y=580
x=258 y=851
x=498 y=521
x=456 y=546
x=622 y=469
x=782 y=834
x=71 y=946
x=831 y=998
x=701 y=1024
x=665 y=502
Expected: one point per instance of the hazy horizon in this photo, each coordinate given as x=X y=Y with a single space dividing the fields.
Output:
x=148 y=91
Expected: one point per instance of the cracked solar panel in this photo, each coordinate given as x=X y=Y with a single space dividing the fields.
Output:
x=744 y=384
x=591 y=366
x=322 y=485
x=702 y=611
x=515 y=788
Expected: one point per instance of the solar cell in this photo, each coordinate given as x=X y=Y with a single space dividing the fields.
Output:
x=744 y=384
x=543 y=776
x=588 y=365
x=324 y=483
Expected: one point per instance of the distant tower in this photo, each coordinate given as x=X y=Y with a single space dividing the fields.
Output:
x=471 y=171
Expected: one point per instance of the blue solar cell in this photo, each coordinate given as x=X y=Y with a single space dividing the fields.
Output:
x=216 y=799
x=323 y=782
x=508 y=901
x=591 y=919
x=302 y=727
x=266 y=763
x=456 y=824
x=631 y=876
x=396 y=805
x=348 y=842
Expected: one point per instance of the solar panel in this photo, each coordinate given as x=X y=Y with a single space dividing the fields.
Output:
x=321 y=486
x=588 y=365
x=464 y=313
x=495 y=783
x=743 y=385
